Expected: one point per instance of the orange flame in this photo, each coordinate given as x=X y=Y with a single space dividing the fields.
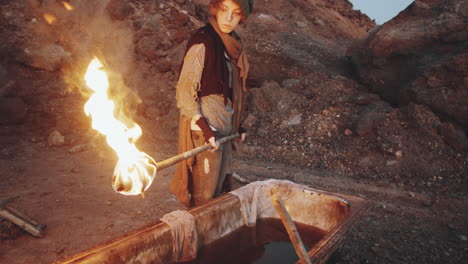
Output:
x=67 y=6
x=135 y=170
x=50 y=19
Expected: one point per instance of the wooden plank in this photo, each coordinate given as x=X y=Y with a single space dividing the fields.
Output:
x=21 y=220
x=290 y=227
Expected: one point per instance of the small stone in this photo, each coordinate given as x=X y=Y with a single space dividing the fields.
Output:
x=399 y=154
x=108 y=203
x=392 y=162
x=77 y=148
x=317 y=21
x=411 y=194
x=55 y=138
x=75 y=170
x=462 y=237
x=348 y=132
x=427 y=203
x=301 y=24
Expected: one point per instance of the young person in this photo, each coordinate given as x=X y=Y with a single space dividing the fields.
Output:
x=211 y=97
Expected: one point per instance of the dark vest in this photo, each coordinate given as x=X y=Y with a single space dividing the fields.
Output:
x=215 y=76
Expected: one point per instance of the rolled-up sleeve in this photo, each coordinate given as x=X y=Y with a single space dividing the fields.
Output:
x=189 y=81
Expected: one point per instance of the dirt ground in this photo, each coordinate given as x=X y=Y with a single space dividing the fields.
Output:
x=71 y=193
x=73 y=196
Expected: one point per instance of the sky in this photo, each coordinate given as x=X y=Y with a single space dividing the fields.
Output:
x=380 y=10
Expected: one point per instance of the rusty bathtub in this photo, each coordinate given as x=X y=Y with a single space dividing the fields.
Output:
x=334 y=213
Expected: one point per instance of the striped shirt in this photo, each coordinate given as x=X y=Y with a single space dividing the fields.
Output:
x=212 y=107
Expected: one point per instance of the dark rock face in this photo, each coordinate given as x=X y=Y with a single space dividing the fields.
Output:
x=299 y=37
x=444 y=88
x=419 y=56
x=344 y=8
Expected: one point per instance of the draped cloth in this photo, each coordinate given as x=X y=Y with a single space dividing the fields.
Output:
x=184 y=235
x=249 y=197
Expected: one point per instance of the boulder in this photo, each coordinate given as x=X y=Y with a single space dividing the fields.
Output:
x=444 y=88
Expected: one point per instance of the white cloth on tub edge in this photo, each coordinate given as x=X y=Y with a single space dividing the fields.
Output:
x=255 y=197
x=184 y=235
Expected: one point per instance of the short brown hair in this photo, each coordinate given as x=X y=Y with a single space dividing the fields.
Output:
x=215 y=5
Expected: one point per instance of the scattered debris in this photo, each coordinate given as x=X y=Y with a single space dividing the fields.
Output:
x=21 y=220
x=77 y=148
x=55 y=138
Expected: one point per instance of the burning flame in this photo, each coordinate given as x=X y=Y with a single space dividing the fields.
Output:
x=67 y=6
x=49 y=18
x=135 y=170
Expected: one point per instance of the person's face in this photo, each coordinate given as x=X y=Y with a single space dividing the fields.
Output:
x=228 y=16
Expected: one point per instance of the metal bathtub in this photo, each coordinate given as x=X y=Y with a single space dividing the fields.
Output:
x=332 y=212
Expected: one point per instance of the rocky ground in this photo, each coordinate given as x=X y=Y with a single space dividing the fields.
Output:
x=311 y=121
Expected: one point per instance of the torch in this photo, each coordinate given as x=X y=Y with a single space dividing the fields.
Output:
x=183 y=156
x=135 y=170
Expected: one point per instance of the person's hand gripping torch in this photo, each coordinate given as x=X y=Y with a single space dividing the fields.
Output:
x=188 y=154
